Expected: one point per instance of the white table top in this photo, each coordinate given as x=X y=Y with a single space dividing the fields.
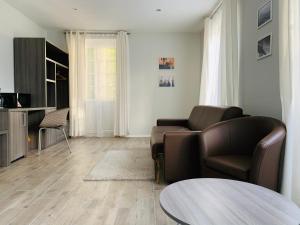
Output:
x=226 y=202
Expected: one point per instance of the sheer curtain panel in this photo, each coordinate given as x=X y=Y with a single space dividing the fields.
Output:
x=77 y=79
x=210 y=79
x=121 y=106
x=220 y=67
x=230 y=55
x=289 y=53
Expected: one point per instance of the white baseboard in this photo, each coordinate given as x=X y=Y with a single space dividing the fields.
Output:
x=138 y=136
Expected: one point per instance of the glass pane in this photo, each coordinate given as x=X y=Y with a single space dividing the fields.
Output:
x=90 y=53
x=91 y=67
x=101 y=69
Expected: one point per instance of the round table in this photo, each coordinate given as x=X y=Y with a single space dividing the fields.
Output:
x=226 y=202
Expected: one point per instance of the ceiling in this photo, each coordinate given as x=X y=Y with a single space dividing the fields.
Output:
x=131 y=15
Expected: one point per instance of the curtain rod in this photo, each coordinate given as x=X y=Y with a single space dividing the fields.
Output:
x=215 y=9
x=95 y=32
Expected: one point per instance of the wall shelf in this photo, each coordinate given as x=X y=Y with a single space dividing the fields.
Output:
x=57 y=63
x=52 y=81
x=61 y=77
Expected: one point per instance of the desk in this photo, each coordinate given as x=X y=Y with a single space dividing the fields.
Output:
x=28 y=109
x=227 y=202
x=14 y=124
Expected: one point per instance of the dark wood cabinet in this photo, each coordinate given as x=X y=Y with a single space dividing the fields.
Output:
x=29 y=69
x=42 y=70
x=18 y=134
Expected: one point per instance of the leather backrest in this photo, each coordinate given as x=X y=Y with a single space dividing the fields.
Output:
x=204 y=116
x=254 y=129
x=241 y=136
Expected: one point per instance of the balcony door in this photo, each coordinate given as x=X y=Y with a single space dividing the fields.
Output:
x=101 y=86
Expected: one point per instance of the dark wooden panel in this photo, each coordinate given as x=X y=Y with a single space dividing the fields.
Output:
x=51 y=98
x=50 y=70
x=3 y=121
x=62 y=88
x=56 y=54
x=29 y=67
x=4 y=154
x=18 y=135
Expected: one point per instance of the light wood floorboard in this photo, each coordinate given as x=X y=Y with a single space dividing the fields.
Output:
x=48 y=189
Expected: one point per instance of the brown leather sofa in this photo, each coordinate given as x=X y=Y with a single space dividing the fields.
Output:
x=247 y=149
x=174 y=142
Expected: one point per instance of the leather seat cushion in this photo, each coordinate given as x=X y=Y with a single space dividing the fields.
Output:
x=157 y=138
x=237 y=166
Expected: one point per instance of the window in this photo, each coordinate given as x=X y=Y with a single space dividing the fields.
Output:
x=101 y=69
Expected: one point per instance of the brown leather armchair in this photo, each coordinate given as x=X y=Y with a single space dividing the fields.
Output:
x=248 y=149
x=174 y=142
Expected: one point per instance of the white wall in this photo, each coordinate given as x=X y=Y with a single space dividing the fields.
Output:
x=15 y=24
x=148 y=102
x=58 y=38
x=260 y=93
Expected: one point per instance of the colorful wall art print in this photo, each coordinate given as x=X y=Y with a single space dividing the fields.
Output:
x=166 y=81
x=166 y=63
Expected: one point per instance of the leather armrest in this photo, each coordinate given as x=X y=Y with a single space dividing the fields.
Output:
x=214 y=141
x=266 y=163
x=181 y=155
x=172 y=122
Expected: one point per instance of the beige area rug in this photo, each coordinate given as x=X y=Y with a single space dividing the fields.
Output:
x=129 y=164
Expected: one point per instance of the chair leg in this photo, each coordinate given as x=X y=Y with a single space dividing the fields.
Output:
x=40 y=141
x=63 y=130
x=162 y=163
x=157 y=167
x=154 y=170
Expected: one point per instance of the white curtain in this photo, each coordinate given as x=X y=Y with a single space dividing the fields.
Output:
x=77 y=81
x=289 y=53
x=101 y=85
x=121 y=107
x=210 y=81
x=230 y=59
x=220 y=67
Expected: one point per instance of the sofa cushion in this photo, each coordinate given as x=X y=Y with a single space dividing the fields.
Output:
x=237 y=166
x=204 y=116
x=157 y=138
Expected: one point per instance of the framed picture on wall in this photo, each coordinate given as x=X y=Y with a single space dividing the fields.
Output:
x=166 y=80
x=166 y=63
x=264 y=47
x=264 y=14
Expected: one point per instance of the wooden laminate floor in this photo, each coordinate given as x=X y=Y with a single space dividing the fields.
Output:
x=49 y=189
